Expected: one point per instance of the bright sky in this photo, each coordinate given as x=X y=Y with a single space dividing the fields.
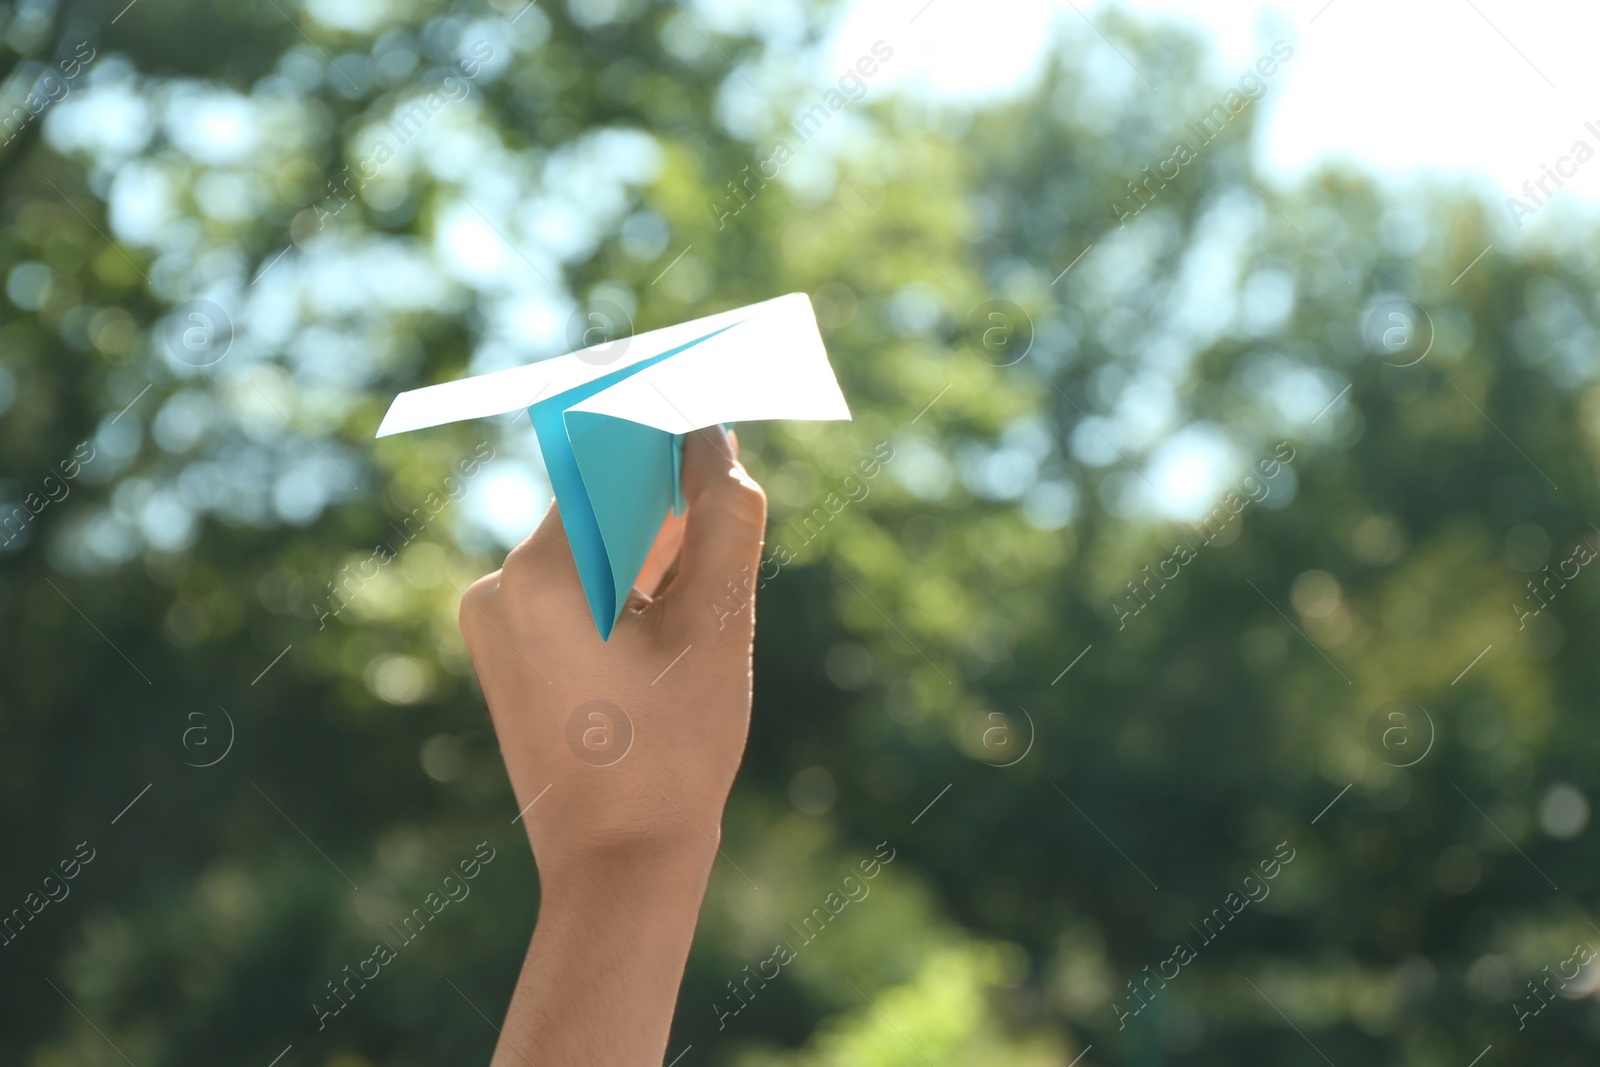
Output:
x=1487 y=90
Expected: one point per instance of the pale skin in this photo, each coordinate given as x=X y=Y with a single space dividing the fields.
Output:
x=624 y=850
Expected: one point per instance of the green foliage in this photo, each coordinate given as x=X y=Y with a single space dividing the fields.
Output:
x=921 y=640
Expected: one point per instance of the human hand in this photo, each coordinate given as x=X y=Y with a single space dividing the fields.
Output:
x=650 y=767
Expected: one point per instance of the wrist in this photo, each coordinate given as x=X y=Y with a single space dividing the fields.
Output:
x=615 y=924
x=660 y=869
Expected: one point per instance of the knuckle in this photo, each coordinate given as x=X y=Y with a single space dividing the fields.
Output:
x=743 y=512
x=476 y=602
x=744 y=497
x=518 y=560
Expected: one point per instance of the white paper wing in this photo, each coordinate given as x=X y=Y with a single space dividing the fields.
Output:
x=772 y=365
x=502 y=391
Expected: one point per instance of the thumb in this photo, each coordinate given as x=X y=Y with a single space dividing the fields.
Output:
x=724 y=527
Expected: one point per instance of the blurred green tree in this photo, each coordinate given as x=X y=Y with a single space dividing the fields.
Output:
x=236 y=230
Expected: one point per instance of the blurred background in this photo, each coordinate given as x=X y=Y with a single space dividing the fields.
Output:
x=1205 y=653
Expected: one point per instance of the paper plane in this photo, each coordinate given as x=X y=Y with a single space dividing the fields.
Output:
x=611 y=420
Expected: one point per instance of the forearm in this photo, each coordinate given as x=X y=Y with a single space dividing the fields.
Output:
x=602 y=974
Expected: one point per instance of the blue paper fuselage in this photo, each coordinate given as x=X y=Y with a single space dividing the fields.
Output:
x=614 y=482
